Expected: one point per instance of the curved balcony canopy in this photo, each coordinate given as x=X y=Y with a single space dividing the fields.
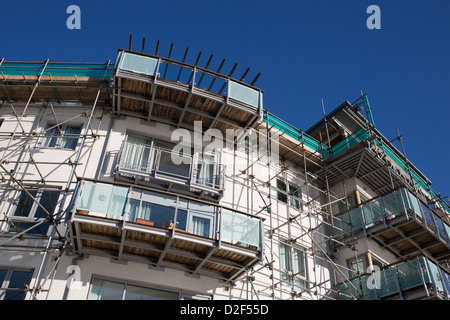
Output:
x=164 y=230
x=177 y=93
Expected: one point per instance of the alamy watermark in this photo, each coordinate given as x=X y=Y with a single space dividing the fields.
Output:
x=213 y=141
x=74 y=279
x=74 y=20
x=373 y=281
x=374 y=20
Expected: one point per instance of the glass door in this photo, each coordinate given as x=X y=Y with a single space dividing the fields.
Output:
x=138 y=154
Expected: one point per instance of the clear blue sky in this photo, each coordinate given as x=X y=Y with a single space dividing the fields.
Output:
x=305 y=51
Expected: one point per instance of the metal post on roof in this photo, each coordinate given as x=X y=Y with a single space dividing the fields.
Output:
x=143 y=44
x=157 y=48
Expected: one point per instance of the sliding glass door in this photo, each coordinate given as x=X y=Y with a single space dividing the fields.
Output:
x=138 y=154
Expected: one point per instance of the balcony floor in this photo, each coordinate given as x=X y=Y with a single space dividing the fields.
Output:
x=408 y=237
x=175 y=249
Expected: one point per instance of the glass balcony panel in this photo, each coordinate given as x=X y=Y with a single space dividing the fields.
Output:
x=139 y=64
x=388 y=283
x=414 y=204
x=355 y=219
x=338 y=227
x=244 y=94
x=409 y=274
x=427 y=213
x=239 y=228
x=436 y=276
x=373 y=212
x=440 y=226
x=447 y=231
x=368 y=293
x=446 y=280
x=393 y=203
x=353 y=290
x=181 y=222
x=348 y=223
x=103 y=198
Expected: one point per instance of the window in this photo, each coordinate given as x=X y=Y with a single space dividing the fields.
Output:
x=192 y=217
x=293 y=193
x=64 y=136
x=27 y=212
x=206 y=170
x=116 y=290
x=293 y=265
x=200 y=224
x=357 y=266
x=159 y=215
x=14 y=279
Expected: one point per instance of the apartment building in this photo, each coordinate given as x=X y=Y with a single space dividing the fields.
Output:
x=150 y=178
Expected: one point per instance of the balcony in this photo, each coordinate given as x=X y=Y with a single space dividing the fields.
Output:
x=164 y=230
x=178 y=94
x=399 y=222
x=415 y=279
x=192 y=175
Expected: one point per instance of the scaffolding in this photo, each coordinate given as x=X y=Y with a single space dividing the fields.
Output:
x=311 y=158
x=46 y=87
x=89 y=90
x=281 y=279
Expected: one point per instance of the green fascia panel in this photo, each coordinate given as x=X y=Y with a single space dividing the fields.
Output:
x=95 y=70
x=293 y=132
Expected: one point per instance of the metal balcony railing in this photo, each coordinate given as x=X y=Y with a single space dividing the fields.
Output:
x=162 y=211
x=153 y=162
x=415 y=279
x=382 y=209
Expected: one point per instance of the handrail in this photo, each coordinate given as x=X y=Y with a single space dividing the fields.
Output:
x=232 y=224
x=153 y=162
x=404 y=278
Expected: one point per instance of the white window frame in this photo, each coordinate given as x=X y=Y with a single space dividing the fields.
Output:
x=7 y=280
x=290 y=197
x=62 y=129
x=30 y=218
x=285 y=273
x=190 y=222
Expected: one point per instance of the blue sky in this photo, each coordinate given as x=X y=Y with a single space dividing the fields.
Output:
x=305 y=50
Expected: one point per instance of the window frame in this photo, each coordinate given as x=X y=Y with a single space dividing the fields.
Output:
x=291 y=193
x=31 y=217
x=62 y=128
x=189 y=222
x=4 y=284
x=352 y=273
x=287 y=275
